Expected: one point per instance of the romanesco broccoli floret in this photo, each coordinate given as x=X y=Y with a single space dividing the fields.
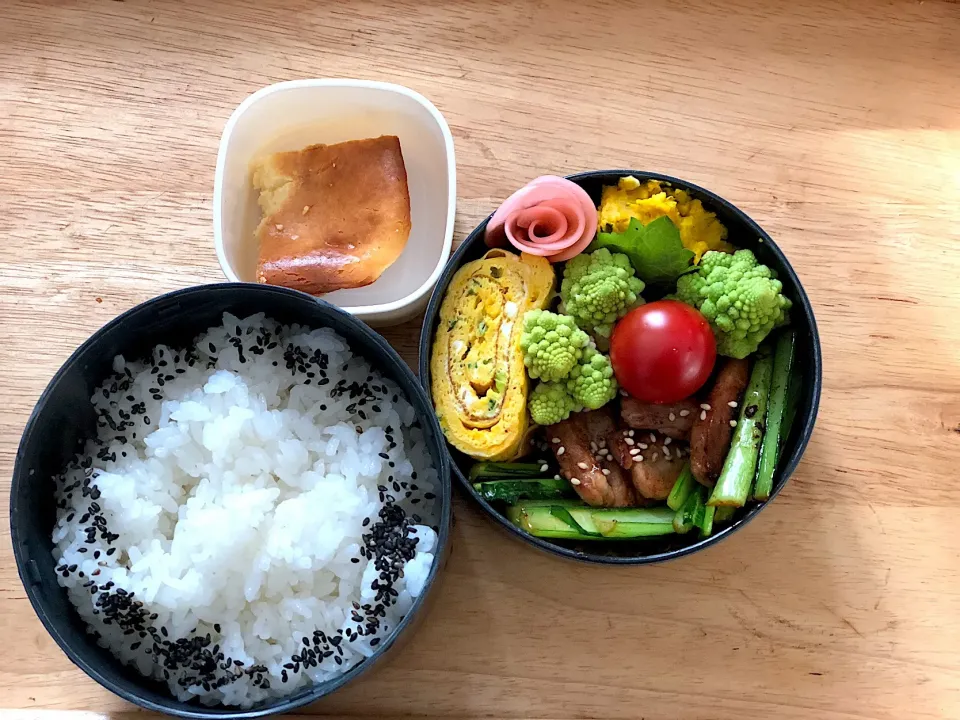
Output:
x=552 y=344
x=739 y=297
x=551 y=402
x=599 y=288
x=592 y=383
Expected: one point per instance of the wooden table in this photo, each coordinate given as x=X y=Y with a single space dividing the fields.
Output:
x=835 y=124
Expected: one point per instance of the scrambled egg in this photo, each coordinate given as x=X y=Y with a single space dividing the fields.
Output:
x=699 y=229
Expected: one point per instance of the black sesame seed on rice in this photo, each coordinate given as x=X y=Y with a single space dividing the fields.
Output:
x=189 y=661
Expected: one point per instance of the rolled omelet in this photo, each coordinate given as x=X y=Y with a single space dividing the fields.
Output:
x=478 y=382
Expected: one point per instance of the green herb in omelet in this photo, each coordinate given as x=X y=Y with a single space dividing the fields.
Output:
x=655 y=250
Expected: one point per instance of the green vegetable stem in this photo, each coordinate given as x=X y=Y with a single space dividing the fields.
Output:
x=772 y=436
x=706 y=523
x=723 y=515
x=736 y=477
x=511 y=491
x=572 y=520
x=682 y=488
x=690 y=513
x=506 y=470
x=792 y=403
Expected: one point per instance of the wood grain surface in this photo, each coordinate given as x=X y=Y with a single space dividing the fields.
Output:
x=836 y=125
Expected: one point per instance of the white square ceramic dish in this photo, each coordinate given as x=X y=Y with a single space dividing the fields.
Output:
x=292 y=115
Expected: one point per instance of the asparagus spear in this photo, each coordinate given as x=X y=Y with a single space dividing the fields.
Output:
x=506 y=471
x=572 y=520
x=772 y=436
x=682 y=488
x=511 y=491
x=736 y=477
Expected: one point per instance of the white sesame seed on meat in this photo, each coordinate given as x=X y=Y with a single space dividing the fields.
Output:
x=703 y=414
x=653 y=437
x=555 y=440
x=634 y=451
x=684 y=413
x=544 y=467
x=605 y=471
x=666 y=452
x=642 y=446
x=629 y=441
x=582 y=465
x=574 y=481
x=667 y=441
x=733 y=423
x=732 y=403
x=705 y=406
x=561 y=450
x=672 y=417
x=630 y=433
x=638 y=458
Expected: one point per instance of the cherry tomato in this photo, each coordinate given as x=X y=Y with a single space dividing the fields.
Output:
x=662 y=352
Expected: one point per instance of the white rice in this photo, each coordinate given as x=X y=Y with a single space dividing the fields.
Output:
x=229 y=519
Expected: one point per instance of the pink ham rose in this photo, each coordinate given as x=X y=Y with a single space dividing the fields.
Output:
x=551 y=217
